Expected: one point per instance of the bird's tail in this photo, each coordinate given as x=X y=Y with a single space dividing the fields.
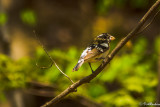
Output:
x=79 y=64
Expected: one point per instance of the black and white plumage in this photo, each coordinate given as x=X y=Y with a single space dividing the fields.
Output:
x=96 y=51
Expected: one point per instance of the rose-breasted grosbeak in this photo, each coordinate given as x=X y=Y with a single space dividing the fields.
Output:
x=96 y=51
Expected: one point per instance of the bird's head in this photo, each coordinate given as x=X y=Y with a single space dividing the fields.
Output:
x=105 y=37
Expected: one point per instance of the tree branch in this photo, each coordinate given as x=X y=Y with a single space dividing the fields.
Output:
x=87 y=79
x=51 y=59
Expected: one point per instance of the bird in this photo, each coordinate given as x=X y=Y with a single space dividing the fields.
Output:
x=96 y=51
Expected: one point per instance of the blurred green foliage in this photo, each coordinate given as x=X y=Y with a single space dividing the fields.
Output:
x=28 y=17
x=104 y=5
x=129 y=79
x=3 y=18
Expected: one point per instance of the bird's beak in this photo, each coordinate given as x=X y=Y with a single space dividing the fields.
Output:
x=112 y=38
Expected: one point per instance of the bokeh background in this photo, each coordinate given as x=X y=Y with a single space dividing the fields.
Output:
x=65 y=27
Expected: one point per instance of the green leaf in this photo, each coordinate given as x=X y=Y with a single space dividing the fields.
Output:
x=134 y=84
x=96 y=90
x=139 y=3
x=29 y=17
x=3 y=18
x=140 y=46
x=157 y=44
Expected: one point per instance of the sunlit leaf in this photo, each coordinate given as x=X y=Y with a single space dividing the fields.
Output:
x=29 y=17
x=140 y=46
x=157 y=44
x=96 y=90
x=3 y=18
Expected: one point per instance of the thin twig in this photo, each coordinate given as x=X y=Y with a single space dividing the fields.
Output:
x=148 y=23
x=52 y=61
x=108 y=59
x=43 y=67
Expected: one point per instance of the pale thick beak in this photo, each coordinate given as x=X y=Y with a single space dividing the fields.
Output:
x=112 y=38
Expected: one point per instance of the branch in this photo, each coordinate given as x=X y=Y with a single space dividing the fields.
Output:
x=87 y=79
x=140 y=31
x=52 y=61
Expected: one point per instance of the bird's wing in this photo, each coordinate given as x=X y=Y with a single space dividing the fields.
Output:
x=91 y=54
